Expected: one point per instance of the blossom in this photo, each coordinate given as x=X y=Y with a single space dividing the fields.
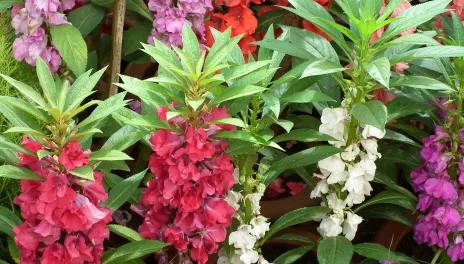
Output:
x=331 y=226
x=63 y=219
x=73 y=157
x=260 y=226
x=242 y=238
x=189 y=203
x=350 y=225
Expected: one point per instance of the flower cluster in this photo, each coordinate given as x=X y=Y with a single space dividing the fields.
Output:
x=171 y=16
x=250 y=230
x=185 y=203
x=63 y=220
x=438 y=181
x=344 y=178
x=30 y=21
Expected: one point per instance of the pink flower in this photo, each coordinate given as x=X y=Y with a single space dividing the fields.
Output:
x=53 y=254
x=177 y=238
x=440 y=188
x=73 y=157
x=398 y=11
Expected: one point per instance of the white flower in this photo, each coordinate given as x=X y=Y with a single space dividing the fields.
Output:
x=370 y=145
x=370 y=131
x=254 y=199
x=242 y=238
x=354 y=198
x=262 y=260
x=369 y=167
x=331 y=226
x=236 y=174
x=333 y=123
x=350 y=226
x=249 y=256
x=321 y=188
x=260 y=226
x=337 y=205
x=233 y=199
x=350 y=153
x=333 y=166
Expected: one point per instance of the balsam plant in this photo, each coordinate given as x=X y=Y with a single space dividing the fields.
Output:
x=344 y=179
x=62 y=195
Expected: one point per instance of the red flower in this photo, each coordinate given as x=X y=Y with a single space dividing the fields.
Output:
x=275 y=188
x=295 y=187
x=73 y=157
x=383 y=96
x=241 y=19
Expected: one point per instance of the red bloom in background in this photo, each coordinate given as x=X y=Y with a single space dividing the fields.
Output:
x=241 y=19
x=73 y=156
x=458 y=7
x=311 y=27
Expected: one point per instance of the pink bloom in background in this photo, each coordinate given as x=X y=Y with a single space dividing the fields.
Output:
x=184 y=204
x=63 y=219
x=30 y=21
x=440 y=221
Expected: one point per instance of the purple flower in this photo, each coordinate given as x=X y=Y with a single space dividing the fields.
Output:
x=440 y=188
x=29 y=47
x=456 y=251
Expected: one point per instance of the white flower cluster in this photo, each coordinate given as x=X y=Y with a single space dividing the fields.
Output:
x=344 y=178
x=243 y=240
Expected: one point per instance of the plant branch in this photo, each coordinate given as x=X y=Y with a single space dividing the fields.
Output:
x=119 y=11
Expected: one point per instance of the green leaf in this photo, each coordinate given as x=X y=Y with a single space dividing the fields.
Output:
x=69 y=42
x=82 y=88
x=105 y=109
x=246 y=136
x=190 y=44
x=235 y=92
x=6 y=4
x=120 y=193
x=389 y=197
x=379 y=252
x=85 y=172
x=7 y=144
x=242 y=70
x=123 y=138
x=25 y=106
x=271 y=103
x=393 y=135
x=18 y=173
x=230 y=121
x=296 y=217
x=379 y=70
x=126 y=232
x=222 y=47
x=299 y=159
x=24 y=130
x=403 y=106
x=303 y=135
x=321 y=67
x=139 y=7
x=86 y=18
x=9 y=219
x=109 y=154
x=334 y=250
x=136 y=120
x=132 y=250
x=419 y=82
x=285 y=124
x=388 y=212
x=390 y=183
x=133 y=37
x=372 y=113
x=292 y=256
x=306 y=96
x=415 y=16
x=13 y=249
x=28 y=92
x=46 y=82
x=429 y=52
x=295 y=237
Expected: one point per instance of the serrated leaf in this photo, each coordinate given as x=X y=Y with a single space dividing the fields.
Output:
x=372 y=113
x=84 y=172
x=7 y=144
x=46 y=82
x=321 y=67
x=105 y=109
x=295 y=217
x=235 y=92
x=303 y=135
x=334 y=250
x=379 y=70
x=28 y=92
x=120 y=193
x=132 y=250
x=86 y=18
x=420 y=82
x=125 y=232
x=230 y=121
x=109 y=154
x=306 y=96
x=69 y=42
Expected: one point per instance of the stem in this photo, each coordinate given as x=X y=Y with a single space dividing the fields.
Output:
x=436 y=257
x=118 y=28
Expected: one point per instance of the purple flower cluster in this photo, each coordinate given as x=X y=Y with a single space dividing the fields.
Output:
x=171 y=16
x=30 y=21
x=439 y=181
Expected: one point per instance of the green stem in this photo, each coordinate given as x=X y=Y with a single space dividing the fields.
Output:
x=436 y=257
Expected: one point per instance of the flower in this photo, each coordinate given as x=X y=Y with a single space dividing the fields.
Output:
x=242 y=238
x=331 y=226
x=260 y=226
x=73 y=157
x=350 y=225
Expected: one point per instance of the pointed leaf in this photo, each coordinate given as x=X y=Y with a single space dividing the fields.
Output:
x=132 y=251
x=292 y=256
x=379 y=252
x=27 y=91
x=18 y=173
x=85 y=172
x=334 y=250
x=125 y=232
x=234 y=92
x=321 y=67
x=120 y=193
x=372 y=113
x=379 y=70
x=389 y=197
x=109 y=154
x=69 y=42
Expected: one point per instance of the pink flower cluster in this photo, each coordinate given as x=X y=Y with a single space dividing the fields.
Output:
x=439 y=182
x=30 y=21
x=63 y=222
x=185 y=203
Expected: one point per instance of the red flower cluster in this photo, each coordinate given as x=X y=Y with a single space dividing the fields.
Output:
x=240 y=17
x=185 y=201
x=63 y=222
